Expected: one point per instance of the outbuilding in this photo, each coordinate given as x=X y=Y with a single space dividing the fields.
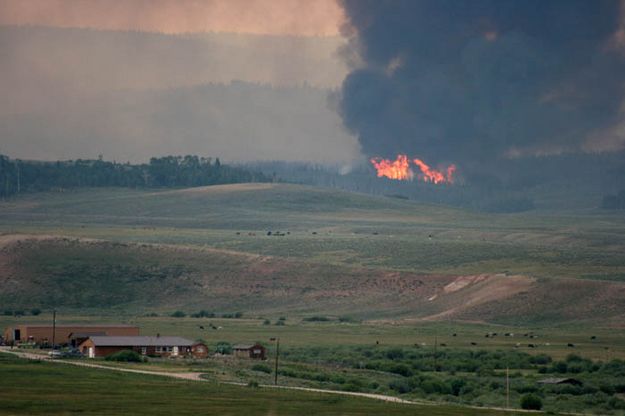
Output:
x=563 y=380
x=43 y=334
x=253 y=351
x=199 y=350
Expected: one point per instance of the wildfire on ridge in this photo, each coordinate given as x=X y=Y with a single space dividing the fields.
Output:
x=399 y=169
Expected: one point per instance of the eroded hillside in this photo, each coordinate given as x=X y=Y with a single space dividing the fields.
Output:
x=97 y=275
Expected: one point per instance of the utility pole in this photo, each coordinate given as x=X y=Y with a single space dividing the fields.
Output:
x=53 y=329
x=19 y=185
x=507 y=387
x=275 y=376
x=435 y=353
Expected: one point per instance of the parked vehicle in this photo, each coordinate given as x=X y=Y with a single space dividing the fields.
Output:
x=55 y=354
x=72 y=353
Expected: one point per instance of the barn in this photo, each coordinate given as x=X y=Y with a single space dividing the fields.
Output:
x=42 y=334
x=253 y=351
x=162 y=346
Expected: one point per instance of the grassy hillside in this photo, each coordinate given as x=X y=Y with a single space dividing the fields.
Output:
x=273 y=247
x=96 y=276
x=335 y=227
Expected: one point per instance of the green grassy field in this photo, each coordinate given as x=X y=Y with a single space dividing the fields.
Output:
x=37 y=388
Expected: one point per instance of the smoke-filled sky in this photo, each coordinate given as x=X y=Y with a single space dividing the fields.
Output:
x=473 y=81
x=237 y=79
x=449 y=81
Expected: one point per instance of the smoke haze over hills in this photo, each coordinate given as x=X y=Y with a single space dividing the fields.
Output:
x=71 y=93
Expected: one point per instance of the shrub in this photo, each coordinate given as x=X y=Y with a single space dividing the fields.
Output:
x=280 y=323
x=178 y=314
x=126 y=356
x=435 y=387
x=316 y=319
x=400 y=386
x=531 y=402
x=35 y=311
x=607 y=389
x=456 y=386
x=262 y=368
x=541 y=359
x=395 y=354
x=573 y=358
x=400 y=369
x=352 y=386
x=253 y=384
x=616 y=403
x=560 y=367
x=526 y=388
x=223 y=348
x=266 y=322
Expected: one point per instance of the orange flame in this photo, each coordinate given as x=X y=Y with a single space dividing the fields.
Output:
x=399 y=169
x=436 y=176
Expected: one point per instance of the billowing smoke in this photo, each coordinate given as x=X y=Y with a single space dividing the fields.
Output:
x=473 y=82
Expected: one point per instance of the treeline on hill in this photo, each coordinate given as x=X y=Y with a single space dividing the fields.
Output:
x=504 y=186
x=169 y=171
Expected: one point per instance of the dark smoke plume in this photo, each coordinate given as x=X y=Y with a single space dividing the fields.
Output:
x=475 y=81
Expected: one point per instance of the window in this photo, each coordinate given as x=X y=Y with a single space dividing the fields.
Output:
x=159 y=349
x=144 y=350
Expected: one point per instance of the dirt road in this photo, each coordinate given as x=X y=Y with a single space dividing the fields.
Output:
x=196 y=376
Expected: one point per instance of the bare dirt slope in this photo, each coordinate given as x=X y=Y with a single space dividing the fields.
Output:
x=83 y=274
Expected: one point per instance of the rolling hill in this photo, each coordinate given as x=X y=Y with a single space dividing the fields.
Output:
x=274 y=248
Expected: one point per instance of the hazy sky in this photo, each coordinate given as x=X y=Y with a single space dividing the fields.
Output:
x=87 y=77
x=275 y=17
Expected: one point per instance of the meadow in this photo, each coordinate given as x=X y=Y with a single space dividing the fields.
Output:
x=39 y=388
x=335 y=227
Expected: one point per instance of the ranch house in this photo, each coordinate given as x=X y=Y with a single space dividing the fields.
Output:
x=163 y=346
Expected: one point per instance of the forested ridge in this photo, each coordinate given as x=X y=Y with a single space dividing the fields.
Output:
x=163 y=172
